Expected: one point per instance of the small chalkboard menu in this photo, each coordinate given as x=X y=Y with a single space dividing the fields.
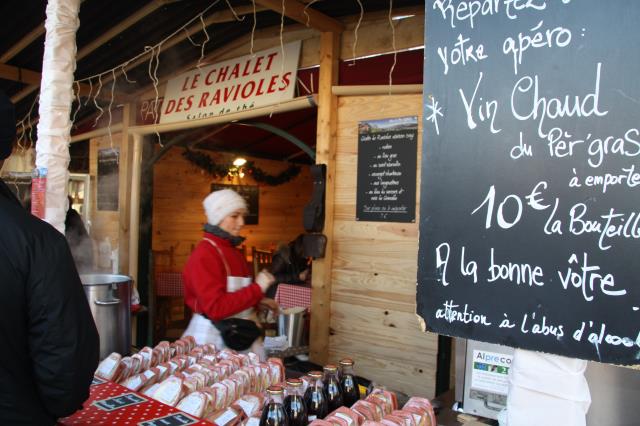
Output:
x=250 y=193
x=108 y=176
x=386 y=186
x=530 y=190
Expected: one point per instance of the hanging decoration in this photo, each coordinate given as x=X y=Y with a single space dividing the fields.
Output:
x=206 y=163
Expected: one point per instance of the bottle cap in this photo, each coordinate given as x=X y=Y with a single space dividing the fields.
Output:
x=346 y=361
x=294 y=382
x=331 y=368
x=315 y=374
x=275 y=389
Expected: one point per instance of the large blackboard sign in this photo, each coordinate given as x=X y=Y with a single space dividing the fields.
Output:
x=530 y=202
x=250 y=193
x=108 y=175
x=386 y=189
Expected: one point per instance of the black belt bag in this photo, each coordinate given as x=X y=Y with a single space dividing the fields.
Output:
x=237 y=333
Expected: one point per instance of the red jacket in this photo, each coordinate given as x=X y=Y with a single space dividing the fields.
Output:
x=205 y=281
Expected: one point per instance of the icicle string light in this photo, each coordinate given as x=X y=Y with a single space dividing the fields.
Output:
x=75 y=113
x=307 y=13
x=239 y=19
x=126 y=76
x=95 y=101
x=393 y=44
x=186 y=31
x=253 y=29
x=355 y=33
x=90 y=92
x=113 y=89
x=276 y=106
x=206 y=40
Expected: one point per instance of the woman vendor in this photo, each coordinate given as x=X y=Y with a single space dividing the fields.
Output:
x=217 y=282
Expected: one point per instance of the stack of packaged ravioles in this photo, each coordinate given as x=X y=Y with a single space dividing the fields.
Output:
x=231 y=389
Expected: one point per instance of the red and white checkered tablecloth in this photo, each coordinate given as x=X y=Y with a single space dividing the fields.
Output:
x=292 y=296
x=169 y=284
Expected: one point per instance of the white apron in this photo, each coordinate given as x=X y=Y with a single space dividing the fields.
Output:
x=203 y=330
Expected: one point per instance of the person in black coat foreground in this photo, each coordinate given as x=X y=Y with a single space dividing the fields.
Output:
x=48 y=340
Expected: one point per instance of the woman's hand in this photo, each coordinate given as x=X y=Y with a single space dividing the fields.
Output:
x=264 y=280
x=304 y=274
x=268 y=304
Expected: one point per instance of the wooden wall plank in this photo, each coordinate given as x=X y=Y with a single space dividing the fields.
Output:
x=325 y=154
x=374 y=269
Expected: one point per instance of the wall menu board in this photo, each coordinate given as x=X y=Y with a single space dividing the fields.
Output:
x=250 y=193
x=108 y=176
x=530 y=202
x=386 y=179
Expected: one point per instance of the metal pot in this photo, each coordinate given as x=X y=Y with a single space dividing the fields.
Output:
x=110 y=302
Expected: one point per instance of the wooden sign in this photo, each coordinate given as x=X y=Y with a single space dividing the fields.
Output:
x=530 y=191
x=108 y=176
x=240 y=84
x=250 y=193
x=386 y=189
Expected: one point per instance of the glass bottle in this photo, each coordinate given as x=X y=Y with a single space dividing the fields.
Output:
x=332 y=387
x=273 y=413
x=315 y=398
x=294 y=403
x=349 y=383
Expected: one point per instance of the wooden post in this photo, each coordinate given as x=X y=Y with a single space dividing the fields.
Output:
x=325 y=154
x=124 y=188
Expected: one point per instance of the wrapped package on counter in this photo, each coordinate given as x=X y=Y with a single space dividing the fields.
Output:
x=171 y=391
x=252 y=421
x=276 y=368
x=388 y=398
x=419 y=416
x=318 y=422
x=135 y=383
x=222 y=393
x=150 y=390
x=110 y=368
x=196 y=404
x=344 y=416
x=368 y=410
x=391 y=420
x=424 y=405
x=250 y=404
x=226 y=417
x=408 y=418
x=147 y=356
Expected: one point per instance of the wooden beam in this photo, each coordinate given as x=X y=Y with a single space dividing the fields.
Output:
x=325 y=154
x=25 y=41
x=310 y=17
x=108 y=35
x=21 y=75
x=124 y=187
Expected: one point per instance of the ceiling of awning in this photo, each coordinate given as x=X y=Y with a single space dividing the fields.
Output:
x=134 y=25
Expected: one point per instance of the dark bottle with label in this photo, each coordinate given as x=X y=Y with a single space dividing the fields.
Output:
x=348 y=383
x=315 y=398
x=273 y=413
x=294 y=403
x=332 y=387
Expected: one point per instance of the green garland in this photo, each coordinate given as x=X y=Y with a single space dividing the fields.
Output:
x=206 y=163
